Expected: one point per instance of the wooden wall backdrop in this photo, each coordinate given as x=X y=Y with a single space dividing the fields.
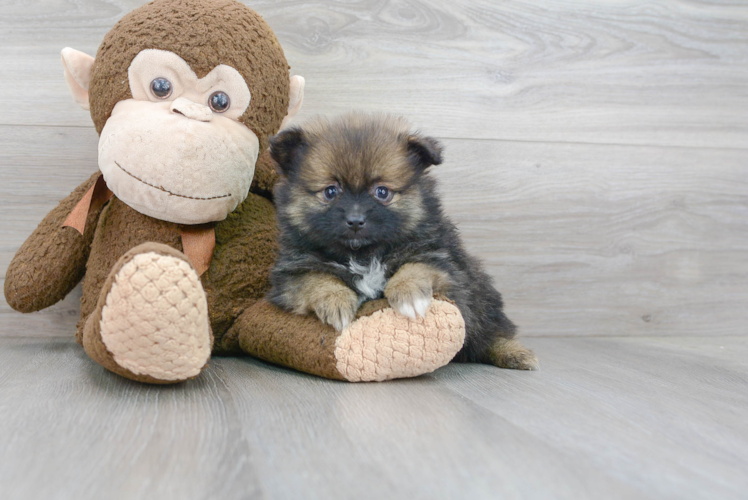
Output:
x=596 y=152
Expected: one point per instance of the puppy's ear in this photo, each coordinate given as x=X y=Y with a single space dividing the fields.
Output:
x=424 y=151
x=285 y=149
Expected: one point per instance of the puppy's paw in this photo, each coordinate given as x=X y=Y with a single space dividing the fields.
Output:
x=409 y=297
x=413 y=307
x=336 y=307
x=509 y=353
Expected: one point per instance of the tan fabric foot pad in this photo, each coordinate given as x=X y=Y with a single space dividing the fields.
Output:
x=155 y=320
x=387 y=345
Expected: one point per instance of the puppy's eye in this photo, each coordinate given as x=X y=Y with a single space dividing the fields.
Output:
x=383 y=194
x=161 y=88
x=219 y=101
x=331 y=192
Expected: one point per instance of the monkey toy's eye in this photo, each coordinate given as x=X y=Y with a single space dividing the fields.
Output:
x=219 y=101
x=331 y=192
x=161 y=88
x=383 y=194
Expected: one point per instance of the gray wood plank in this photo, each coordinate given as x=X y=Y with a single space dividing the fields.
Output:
x=73 y=431
x=606 y=240
x=582 y=240
x=666 y=73
x=651 y=412
x=410 y=439
x=605 y=418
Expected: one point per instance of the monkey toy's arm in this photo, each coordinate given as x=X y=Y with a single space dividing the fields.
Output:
x=53 y=259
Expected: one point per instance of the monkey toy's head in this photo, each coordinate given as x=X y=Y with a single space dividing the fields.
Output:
x=184 y=94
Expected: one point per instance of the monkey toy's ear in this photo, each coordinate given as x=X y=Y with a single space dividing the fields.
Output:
x=77 y=74
x=296 y=98
x=285 y=149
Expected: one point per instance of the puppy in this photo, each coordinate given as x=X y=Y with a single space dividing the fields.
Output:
x=360 y=219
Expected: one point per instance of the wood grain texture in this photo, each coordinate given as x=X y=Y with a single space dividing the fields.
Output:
x=624 y=72
x=605 y=418
x=606 y=240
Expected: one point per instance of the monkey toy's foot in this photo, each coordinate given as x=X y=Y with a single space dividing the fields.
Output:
x=151 y=322
x=380 y=344
x=386 y=345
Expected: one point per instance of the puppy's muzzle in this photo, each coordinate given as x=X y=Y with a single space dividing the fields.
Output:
x=355 y=222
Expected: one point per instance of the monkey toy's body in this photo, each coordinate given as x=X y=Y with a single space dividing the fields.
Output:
x=173 y=244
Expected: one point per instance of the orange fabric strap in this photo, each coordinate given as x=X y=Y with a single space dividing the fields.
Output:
x=198 y=241
x=93 y=200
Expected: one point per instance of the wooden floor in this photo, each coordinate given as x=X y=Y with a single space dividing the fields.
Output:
x=596 y=160
x=606 y=418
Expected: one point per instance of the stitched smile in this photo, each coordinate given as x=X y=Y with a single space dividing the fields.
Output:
x=166 y=190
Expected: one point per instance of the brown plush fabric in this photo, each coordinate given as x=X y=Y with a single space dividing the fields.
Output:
x=91 y=336
x=370 y=307
x=120 y=228
x=53 y=259
x=299 y=342
x=239 y=274
x=245 y=241
x=205 y=33
x=265 y=176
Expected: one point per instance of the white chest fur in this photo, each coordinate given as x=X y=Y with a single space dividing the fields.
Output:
x=371 y=281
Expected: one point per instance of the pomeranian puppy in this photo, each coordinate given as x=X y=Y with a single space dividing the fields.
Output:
x=360 y=219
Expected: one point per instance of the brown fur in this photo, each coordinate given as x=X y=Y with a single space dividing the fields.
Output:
x=413 y=281
x=383 y=153
x=204 y=34
x=409 y=202
x=302 y=204
x=399 y=244
x=509 y=353
x=326 y=296
x=381 y=157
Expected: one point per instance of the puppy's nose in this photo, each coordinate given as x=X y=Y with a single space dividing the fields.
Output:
x=355 y=221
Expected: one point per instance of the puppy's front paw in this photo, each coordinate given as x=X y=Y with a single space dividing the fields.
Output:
x=410 y=298
x=337 y=307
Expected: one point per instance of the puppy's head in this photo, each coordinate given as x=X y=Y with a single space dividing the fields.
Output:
x=353 y=182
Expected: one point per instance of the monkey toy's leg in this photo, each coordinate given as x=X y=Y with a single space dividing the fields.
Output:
x=151 y=320
x=379 y=345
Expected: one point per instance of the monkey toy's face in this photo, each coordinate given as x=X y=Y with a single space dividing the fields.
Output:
x=184 y=100
x=176 y=151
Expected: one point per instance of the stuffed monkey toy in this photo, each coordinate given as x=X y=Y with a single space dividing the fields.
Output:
x=174 y=238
